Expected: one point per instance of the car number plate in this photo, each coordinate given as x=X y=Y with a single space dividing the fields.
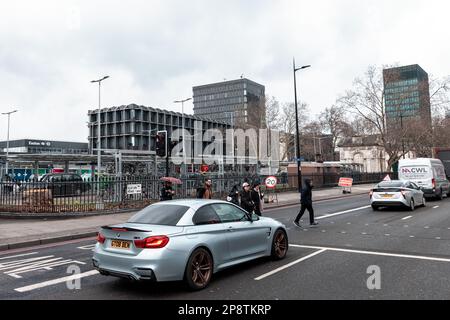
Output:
x=387 y=196
x=119 y=244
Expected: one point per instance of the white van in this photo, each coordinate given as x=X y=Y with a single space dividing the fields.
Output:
x=427 y=173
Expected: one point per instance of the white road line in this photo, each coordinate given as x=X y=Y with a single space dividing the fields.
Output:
x=342 y=212
x=289 y=264
x=56 y=281
x=19 y=255
x=375 y=253
x=435 y=207
x=406 y=218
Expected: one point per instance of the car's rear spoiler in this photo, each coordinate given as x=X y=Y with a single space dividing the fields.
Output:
x=123 y=229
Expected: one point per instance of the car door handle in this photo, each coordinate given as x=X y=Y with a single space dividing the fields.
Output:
x=230 y=229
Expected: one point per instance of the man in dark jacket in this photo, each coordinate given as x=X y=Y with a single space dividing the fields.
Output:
x=246 y=198
x=166 y=192
x=233 y=196
x=306 y=203
x=257 y=197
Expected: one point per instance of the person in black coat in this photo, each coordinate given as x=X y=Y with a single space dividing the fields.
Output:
x=233 y=196
x=166 y=192
x=246 y=198
x=306 y=204
x=257 y=197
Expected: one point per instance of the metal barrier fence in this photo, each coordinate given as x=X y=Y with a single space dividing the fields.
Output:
x=111 y=193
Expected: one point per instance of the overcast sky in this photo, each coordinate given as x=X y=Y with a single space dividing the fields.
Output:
x=156 y=51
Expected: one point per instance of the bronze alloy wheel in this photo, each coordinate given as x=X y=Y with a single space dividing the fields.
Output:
x=280 y=245
x=199 y=270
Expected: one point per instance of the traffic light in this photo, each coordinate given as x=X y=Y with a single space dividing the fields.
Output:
x=161 y=143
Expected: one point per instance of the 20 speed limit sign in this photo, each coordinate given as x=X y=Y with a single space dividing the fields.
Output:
x=271 y=182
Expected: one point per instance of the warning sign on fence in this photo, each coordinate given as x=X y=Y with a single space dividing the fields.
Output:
x=134 y=188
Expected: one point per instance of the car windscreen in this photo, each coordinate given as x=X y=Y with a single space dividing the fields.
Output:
x=161 y=214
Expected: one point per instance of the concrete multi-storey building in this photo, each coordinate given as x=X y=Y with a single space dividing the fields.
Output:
x=133 y=127
x=238 y=102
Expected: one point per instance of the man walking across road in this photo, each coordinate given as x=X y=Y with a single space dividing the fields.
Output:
x=306 y=204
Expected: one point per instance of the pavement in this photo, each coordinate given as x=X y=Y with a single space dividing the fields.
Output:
x=22 y=233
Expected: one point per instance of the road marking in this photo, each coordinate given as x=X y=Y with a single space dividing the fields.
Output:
x=406 y=218
x=19 y=255
x=88 y=247
x=56 y=281
x=435 y=207
x=375 y=253
x=16 y=267
x=342 y=212
x=289 y=264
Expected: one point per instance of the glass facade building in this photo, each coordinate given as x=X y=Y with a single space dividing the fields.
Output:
x=238 y=102
x=407 y=93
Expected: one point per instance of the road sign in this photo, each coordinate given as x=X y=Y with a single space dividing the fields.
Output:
x=271 y=182
x=387 y=178
x=134 y=188
x=345 y=182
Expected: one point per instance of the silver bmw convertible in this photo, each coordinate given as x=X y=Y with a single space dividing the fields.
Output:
x=186 y=240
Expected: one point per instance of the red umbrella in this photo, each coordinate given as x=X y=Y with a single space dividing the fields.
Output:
x=171 y=179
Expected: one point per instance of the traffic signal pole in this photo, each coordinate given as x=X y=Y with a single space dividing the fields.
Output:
x=162 y=145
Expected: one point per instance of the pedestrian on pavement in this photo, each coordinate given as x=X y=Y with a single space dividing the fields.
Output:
x=306 y=204
x=233 y=196
x=205 y=192
x=246 y=198
x=167 y=192
x=257 y=197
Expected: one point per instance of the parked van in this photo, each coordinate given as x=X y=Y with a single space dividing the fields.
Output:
x=427 y=173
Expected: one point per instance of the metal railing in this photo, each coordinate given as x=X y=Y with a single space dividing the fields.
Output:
x=135 y=192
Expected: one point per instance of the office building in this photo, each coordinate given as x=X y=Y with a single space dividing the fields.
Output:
x=407 y=94
x=134 y=127
x=238 y=102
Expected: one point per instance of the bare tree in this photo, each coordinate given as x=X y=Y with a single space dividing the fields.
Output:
x=287 y=127
x=273 y=113
x=333 y=120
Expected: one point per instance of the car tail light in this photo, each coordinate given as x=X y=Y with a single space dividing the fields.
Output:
x=100 y=238
x=154 y=242
x=403 y=192
x=433 y=183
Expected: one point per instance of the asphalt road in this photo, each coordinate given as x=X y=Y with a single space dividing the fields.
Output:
x=408 y=252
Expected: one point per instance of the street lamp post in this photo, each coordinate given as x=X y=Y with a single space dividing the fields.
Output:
x=182 y=128
x=7 y=139
x=299 y=172
x=403 y=135
x=99 y=163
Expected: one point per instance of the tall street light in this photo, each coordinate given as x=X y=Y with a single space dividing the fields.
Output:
x=7 y=137
x=182 y=128
x=99 y=146
x=299 y=172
